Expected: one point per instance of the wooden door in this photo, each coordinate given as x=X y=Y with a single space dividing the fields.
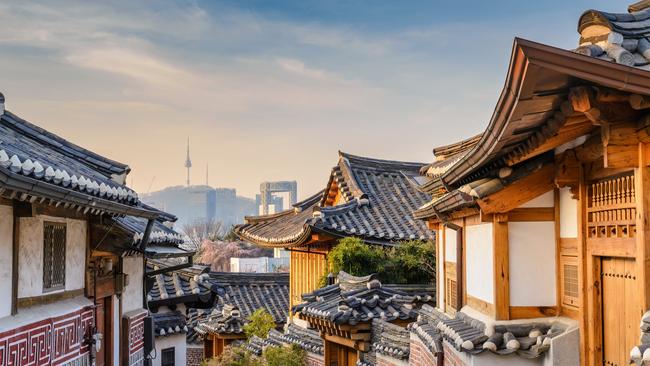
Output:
x=104 y=323
x=339 y=355
x=451 y=288
x=100 y=322
x=620 y=320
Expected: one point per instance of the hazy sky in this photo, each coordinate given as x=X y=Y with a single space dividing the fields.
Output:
x=266 y=90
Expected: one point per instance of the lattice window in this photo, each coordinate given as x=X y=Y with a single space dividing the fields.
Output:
x=612 y=210
x=451 y=297
x=569 y=268
x=53 y=256
x=168 y=357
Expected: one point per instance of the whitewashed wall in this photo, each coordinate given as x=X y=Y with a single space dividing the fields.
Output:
x=6 y=248
x=177 y=341
x=479 y=256
x=441 y=269
x=30 y=258
x=545 y=200
x=568 y=214
x=450 y=245
x=132 y=295
x=117 y=328
x=532 y=263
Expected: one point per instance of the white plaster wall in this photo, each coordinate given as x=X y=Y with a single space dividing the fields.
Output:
x=6 y=248
x=532 y=263
x=568 y=214
x=490 y=359
x=450 y=245
x=30 y=257
x=479 y=262
x=177 y=341
x=132 y=295
x=75 y=255
x=441 y=270
x=545 y=200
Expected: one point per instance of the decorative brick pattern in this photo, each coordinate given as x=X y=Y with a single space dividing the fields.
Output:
x=194 y=356
x=53 y=341
x=312 y=359
x=135 y=333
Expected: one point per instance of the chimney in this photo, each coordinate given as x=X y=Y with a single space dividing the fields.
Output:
x=2 y=104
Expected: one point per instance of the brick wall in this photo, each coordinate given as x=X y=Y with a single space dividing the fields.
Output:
x=194 y=355
x=383 y=360
x=312 y=359
x=420 y=354
x=452 y=356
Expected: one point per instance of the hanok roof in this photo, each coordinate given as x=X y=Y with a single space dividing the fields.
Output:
x=466 y=334
x=376 y=201
x=390 y=339
x=360 y=299
x=226 y=319
x=617 y=37
x=239 y=295
x=307 y=339
x=169 y=323
x=37 y=163
x=184 y=286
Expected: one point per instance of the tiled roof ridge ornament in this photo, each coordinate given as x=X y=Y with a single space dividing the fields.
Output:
x=2 y=104
x=349 y=282
x=619 y=37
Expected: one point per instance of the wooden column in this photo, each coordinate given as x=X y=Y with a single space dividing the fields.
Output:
x=642 y=189
x=501 y=267
x=585 y=291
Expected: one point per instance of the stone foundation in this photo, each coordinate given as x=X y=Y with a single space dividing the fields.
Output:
x=194 y=355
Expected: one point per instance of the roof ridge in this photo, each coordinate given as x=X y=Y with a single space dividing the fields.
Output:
x=93 y=159
x=358 y=158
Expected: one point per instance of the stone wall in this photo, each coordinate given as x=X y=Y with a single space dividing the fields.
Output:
x=133 y=337
x=194 y=355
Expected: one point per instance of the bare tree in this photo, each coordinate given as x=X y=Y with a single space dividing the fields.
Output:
x=201 y=230
x=217 y=254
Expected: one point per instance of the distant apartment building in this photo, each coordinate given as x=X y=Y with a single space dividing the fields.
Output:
x=260 y=264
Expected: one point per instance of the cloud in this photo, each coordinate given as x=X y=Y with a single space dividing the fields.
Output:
x=133 y=64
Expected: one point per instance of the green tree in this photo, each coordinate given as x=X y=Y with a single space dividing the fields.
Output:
x=260 y=323
x=234 y=356
x=284 y=356
x=408 y=262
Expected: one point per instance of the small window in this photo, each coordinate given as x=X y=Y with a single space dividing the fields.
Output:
x=53 y=256
x=569 y=268
x=167 y=357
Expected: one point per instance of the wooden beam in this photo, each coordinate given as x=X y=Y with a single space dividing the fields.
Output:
x=14 y=259
x=520 y=191
x=480 y=305
x=501 y=267
x=583 y=312
x=530 y=214
x=529 y=312
x=342 y=341
x=566 y=134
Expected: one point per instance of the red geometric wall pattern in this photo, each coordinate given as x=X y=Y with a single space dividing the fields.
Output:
x=135 y=330
x=52 y=341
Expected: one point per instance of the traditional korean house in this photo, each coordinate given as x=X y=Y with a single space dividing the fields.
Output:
x=239 y=294
x=74 y=295
x=171 y=297
x=357 y=315
x=543 y=220
x=367 y=198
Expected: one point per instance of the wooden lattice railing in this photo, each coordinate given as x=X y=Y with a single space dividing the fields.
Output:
x=612 y=208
